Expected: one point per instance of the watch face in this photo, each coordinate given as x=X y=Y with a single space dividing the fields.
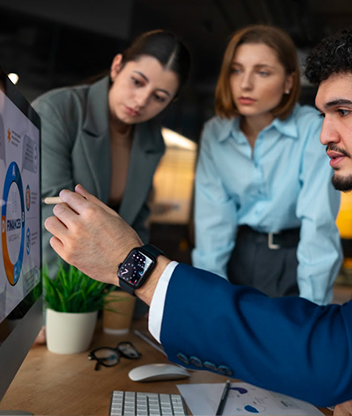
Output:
x=135 y=267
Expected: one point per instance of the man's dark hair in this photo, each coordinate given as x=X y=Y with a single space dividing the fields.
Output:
x=332 y=55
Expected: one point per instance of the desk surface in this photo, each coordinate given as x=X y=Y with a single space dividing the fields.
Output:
x=53 y=384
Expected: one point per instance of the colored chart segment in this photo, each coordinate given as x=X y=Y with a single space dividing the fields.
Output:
x=251 y=409
x=240 y=390
x=13 y=223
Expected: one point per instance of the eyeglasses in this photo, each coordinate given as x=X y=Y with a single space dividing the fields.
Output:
x=108 y=357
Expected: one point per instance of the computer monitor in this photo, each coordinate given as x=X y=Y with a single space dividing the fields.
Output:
x=21 y=315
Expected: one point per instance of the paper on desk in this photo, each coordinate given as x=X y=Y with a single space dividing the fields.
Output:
x=243 y=399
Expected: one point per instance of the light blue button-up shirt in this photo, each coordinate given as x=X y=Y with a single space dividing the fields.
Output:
x=284 y=182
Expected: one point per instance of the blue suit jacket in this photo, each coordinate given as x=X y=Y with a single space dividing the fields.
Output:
x=288 y=345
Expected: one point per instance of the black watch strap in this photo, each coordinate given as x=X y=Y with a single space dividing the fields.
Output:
x=126 y=287
x=154 y=251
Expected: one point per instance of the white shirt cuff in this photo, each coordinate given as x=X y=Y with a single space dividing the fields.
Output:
x=156 y=310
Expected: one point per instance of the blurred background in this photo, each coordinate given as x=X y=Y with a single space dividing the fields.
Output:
x=52 y=44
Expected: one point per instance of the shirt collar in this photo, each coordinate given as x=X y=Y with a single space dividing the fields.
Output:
x=286 y=127
x=227 y=126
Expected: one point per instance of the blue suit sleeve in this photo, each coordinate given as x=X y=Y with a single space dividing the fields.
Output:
x=287 y=345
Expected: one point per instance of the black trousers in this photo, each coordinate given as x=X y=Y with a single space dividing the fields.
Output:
x=272 y=271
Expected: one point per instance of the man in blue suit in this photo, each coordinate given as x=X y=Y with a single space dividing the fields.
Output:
x=288 y=345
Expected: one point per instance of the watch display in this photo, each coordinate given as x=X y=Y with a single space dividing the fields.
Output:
x=135 y=267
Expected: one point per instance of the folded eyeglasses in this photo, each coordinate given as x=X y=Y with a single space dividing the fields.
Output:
x=109 y=357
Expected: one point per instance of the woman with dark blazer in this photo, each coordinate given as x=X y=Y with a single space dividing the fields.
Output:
x=103 y=135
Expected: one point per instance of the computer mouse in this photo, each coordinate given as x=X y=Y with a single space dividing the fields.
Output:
x=158 y=372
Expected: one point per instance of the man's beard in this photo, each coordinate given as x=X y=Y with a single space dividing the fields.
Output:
x=343 y=184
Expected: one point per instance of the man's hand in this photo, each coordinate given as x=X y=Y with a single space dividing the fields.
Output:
x=343 y=409
x=90 y=235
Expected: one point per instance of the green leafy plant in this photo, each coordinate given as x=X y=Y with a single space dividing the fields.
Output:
x=74 y=291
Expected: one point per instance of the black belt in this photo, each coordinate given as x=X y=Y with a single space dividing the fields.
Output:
x=281 y=239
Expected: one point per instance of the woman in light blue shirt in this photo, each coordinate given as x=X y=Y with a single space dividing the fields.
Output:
x=265 y=207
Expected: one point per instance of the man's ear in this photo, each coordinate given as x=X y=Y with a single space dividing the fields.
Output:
x=116 y=66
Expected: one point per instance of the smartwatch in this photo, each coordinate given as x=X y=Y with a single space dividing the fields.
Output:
x=137 y=266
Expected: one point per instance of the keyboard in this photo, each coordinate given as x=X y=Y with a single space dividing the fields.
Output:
x=128 y=403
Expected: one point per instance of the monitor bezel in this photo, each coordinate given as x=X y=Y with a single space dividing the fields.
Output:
x=14 y=348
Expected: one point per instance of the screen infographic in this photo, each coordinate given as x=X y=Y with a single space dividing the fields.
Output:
x=19 y=205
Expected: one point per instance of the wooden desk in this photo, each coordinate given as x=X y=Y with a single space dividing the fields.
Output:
x=68 y=385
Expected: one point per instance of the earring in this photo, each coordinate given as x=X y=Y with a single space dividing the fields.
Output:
x=287 y=92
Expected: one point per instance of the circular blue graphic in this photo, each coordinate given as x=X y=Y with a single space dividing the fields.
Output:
x=13 y=177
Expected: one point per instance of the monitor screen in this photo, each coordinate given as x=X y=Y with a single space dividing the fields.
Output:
x=21 y=314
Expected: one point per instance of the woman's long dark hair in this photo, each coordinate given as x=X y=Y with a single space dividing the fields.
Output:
x=164 y=46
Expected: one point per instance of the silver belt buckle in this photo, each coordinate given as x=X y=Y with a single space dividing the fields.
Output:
x=271 y=244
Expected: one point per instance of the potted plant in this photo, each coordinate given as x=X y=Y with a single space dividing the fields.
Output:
x=72 y=302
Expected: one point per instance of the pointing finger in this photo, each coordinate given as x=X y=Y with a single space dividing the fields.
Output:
x=75 y=201
x=80 y=190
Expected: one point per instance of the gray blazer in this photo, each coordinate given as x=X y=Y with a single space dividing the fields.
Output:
x=76 y=149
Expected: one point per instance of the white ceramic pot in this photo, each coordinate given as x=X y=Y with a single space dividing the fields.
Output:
x=69 y=333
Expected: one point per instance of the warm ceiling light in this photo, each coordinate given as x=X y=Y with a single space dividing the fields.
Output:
x=173 y=139
x=13 y=77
